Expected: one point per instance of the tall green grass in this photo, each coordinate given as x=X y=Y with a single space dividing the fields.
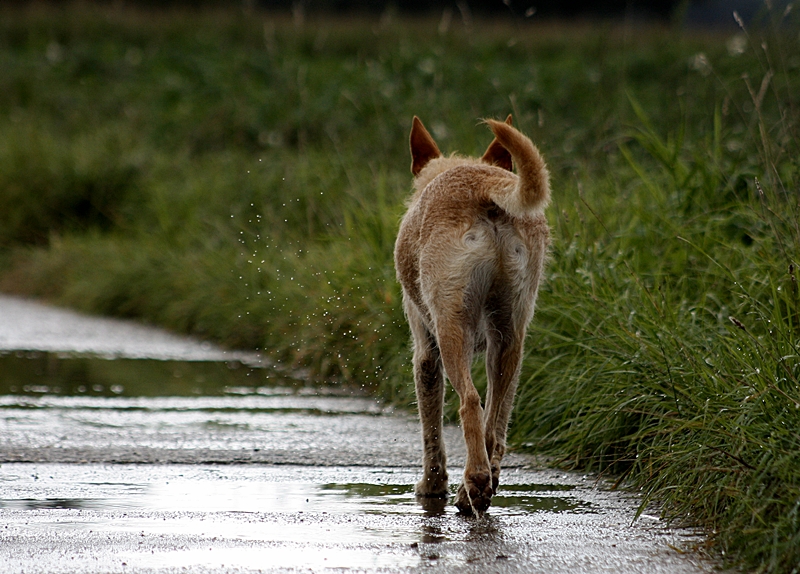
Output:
x=240 y=178
x=666 y=346
x=679 y=372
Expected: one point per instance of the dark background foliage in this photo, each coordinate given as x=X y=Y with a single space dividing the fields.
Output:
x=695 y=12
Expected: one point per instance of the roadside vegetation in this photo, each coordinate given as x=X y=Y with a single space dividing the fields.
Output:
x=240 y=176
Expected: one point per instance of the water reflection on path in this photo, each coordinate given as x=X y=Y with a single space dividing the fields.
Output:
x=274 y=518
x=40 y=373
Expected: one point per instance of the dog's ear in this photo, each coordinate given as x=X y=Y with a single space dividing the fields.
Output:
x=423 y=148
x=497 y=155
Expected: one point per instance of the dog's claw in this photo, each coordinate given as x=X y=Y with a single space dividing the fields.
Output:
x=495 y=478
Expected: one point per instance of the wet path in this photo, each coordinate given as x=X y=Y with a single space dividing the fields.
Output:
x=164 y=466
x=136 y=518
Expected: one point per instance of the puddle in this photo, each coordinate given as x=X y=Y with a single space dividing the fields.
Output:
x=235 y=518
x=280 y=505
x=261 y=490
x=510 y=499
x=40 y=373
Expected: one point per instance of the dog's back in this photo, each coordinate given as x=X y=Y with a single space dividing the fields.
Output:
x=457 y=241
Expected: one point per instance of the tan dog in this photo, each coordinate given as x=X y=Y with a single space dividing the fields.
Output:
x=469 y=256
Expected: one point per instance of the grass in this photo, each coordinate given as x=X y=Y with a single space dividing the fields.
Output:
x=235 y=176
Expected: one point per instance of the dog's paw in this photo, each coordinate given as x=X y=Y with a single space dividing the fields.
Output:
x=475 y=494
x=433 y=484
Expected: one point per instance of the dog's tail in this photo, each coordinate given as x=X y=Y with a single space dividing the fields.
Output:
x=532 y=192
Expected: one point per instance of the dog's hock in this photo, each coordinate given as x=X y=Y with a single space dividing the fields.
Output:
x=423 y=148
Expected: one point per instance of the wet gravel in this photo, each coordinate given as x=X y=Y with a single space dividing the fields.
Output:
x=211 y=518
x=283 y=428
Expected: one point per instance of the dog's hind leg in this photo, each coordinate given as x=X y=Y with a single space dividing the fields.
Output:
x=503 y=362
x=429 y=386
x=457 y=344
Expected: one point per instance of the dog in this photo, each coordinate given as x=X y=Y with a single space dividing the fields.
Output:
x=469 y=256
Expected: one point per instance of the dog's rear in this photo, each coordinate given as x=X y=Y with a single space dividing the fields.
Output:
x=469 y=256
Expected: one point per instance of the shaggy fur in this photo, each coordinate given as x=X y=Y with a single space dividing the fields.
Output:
x=469 y=256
